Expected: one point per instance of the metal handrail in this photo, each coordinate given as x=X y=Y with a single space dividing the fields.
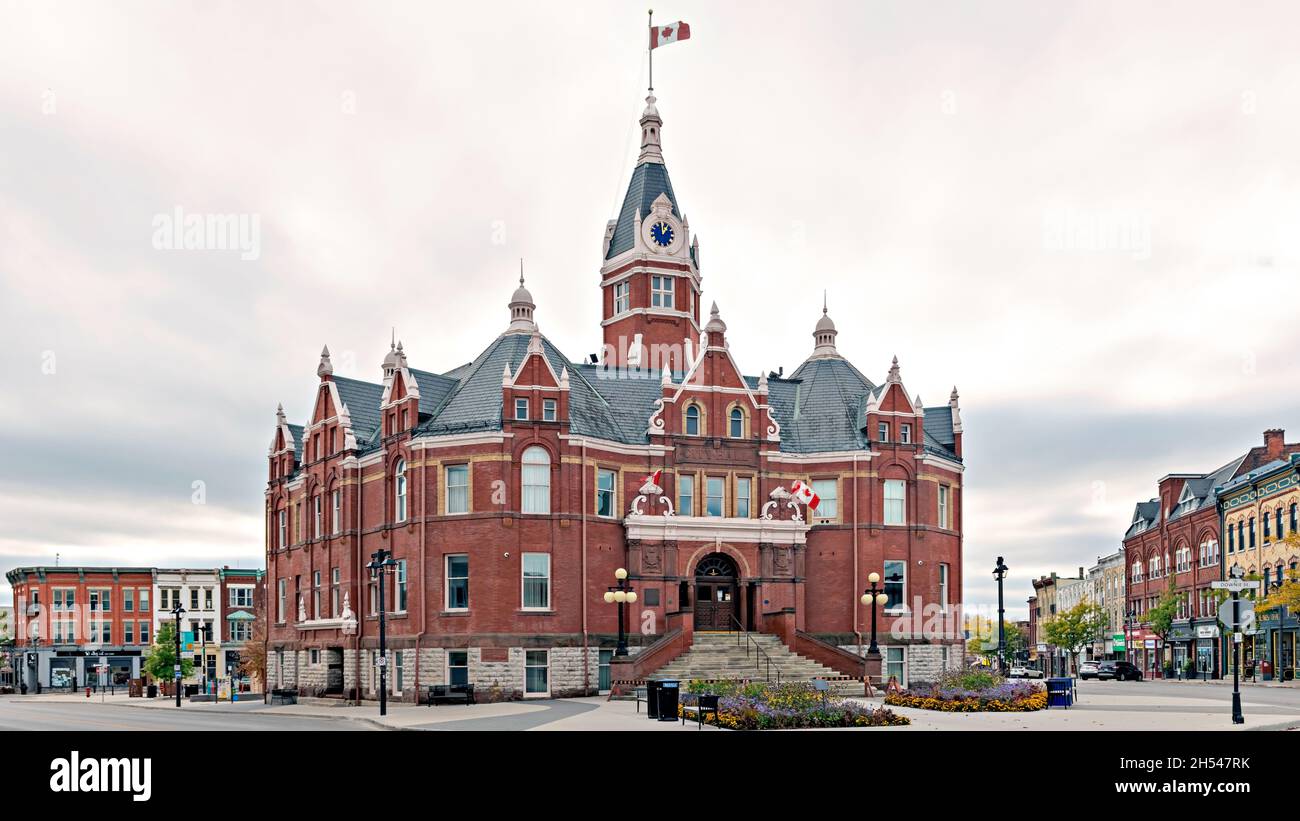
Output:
x=758 y=664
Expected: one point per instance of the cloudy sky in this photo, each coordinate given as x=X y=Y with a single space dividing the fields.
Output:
x=1082 y=214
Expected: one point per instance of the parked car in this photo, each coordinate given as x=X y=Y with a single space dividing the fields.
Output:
x=1020 y=671
x=1089 y=669
x=1119 y=670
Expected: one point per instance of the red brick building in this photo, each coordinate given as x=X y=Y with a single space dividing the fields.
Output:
x=67 y=618
x=1174 y=542
x=243 y=598
x=511 y=488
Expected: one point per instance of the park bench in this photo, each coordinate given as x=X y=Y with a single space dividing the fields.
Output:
x=450 y=692
x=704 y=704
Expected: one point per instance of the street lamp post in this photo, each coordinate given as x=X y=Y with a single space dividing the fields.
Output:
x=203 y=654
x=873 y=597
x=1000 y=573
x=382 y=564
x=621 y=594
x=177 y=612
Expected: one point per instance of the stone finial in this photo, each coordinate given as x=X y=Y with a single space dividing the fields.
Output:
x=651 y=129
x=894 y=375
x=325 y=369
x=279 y=413
x=917 y=403
x=716 y=325
x=507 y=379
x=762 y=381
x=666 y=376
x=952 y=400
x=535 y=342
x=564 y=378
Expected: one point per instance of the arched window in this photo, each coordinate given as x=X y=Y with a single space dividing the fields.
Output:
x=737 y=423
x=693 y=420
x=399 y=490
x=536 y=480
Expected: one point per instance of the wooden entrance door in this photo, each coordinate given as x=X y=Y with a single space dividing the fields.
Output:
x=716 y=593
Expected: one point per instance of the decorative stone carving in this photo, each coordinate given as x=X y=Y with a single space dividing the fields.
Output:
x=652 y=557
x=781 y=497
x=652 y=493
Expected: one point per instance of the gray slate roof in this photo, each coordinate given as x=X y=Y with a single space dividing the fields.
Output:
x=819 y=406
x=649 y=180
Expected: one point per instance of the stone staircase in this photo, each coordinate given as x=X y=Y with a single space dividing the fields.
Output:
x=716 y=656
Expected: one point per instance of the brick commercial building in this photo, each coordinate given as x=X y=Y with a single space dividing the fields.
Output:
x=68 y=618
x=1174 y=542
x=511 y=488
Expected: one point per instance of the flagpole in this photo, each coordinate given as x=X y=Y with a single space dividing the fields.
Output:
x=650 y=50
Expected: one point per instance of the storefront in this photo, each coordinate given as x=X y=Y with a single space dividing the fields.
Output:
x=1276 y=643
x=1204 y=650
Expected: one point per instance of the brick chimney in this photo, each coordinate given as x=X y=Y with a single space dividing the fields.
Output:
x=1275 y=443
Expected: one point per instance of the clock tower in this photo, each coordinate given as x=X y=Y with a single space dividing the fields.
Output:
x=650 y=276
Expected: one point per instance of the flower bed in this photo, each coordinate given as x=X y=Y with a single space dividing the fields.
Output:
x=972 y=692
x=790 y=706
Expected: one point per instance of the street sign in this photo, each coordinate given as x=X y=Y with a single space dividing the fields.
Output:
x=1246 y=610
x=1235 y=585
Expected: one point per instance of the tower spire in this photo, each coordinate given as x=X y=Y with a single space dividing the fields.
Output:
x=521 y=307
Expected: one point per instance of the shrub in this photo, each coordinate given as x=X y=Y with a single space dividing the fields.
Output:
x=970 y=691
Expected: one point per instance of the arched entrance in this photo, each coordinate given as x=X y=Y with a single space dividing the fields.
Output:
x=716 y=593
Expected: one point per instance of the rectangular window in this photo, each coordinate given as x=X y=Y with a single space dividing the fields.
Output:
x=457 y=667
x=458 y=489
x=128 y=632
x=661 y=291
x=317 y=516
x=686 y=495
x=335 y=592
x=895 y=502
x=239 y=631
x=207 y=598
x=715 y=496
x=241 y=597
x=895 y=585
x=144 y=601
x=537 y=581
x=943 y=507
x=128 y=600
x=283 y=526
x=883 y=431
x=400 y=581
x=281 y=600
x=828 y=490
x=905 y=433
x=405 y=417
x=315 y=594
x=458 y=582
x=194 y=598
x=548 y=410
x=521 y=410
x=943 y=586
x=536 y=672
x=622 y=296
x=896 y=665
x=336 y=512
x=742 y=497
x=605 y=492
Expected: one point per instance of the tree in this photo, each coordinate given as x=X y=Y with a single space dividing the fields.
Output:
x=1160 y=619
x=159 y=665
x=1288 y=595
x=252 y=657
x=1076 y=628
x=984 y=642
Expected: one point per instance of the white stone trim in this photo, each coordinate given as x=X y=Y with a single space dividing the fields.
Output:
x=715 y=528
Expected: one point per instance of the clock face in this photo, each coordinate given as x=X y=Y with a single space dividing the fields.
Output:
x=662 y=233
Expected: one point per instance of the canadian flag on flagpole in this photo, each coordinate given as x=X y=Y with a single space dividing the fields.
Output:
x=671 y=33
x=805 y=494
x=654 y=477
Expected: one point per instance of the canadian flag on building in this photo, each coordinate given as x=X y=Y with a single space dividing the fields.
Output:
x=671 y=33
x=805 y=494
x=653 y=478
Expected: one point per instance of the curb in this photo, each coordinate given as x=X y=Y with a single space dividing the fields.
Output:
x=362 y=719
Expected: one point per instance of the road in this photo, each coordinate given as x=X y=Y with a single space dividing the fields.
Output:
x=19 y=713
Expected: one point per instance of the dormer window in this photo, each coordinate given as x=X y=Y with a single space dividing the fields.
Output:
x=521 y=410
x=661 y=291
x=737 y=423
x=905 y=434
x=622 y=297
x=883 y=431
x=548 y=410
x=693 y=420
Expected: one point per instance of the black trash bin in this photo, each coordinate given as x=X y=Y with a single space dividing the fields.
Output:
x=668 y=696
x=152 y=690
x=652 y=699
